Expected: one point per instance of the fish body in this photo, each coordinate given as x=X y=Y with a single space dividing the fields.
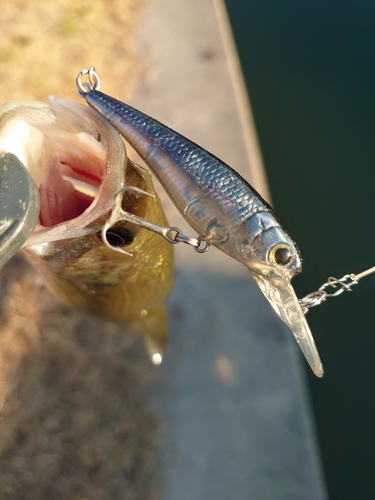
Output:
x=221 y=206
x=78 y=163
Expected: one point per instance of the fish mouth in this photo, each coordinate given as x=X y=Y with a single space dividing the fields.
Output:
x=75 y=158
x=277 y=288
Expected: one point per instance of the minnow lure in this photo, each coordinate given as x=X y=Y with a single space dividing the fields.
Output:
x=218 y=203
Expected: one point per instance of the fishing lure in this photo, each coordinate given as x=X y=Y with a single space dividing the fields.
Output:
x=218 y=204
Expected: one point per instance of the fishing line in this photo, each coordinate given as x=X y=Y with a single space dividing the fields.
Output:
x=339 y=285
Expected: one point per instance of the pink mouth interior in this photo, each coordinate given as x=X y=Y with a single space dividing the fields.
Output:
x=60 y=200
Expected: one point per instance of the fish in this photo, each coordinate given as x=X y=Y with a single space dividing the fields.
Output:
x=219 y=204
x=73 y=163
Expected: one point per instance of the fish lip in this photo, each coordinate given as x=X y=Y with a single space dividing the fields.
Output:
x=277 y=288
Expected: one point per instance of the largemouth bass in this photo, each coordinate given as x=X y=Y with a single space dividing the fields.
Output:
x=78 y=163
x=218 y=203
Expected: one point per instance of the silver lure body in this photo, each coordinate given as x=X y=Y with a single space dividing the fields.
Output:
x=214 y=199
x=221 y=206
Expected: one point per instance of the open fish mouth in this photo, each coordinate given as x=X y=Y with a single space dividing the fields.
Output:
x=72 y=155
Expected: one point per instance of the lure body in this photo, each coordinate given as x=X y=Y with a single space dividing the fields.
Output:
x=211 y=196
x=221 y=206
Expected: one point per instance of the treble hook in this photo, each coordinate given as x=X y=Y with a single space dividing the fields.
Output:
x=120 y=215
x=117 y=215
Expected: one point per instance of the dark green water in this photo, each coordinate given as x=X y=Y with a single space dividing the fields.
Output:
x=310 y=71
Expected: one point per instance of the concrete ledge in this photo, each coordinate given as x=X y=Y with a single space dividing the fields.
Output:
x=230 y=396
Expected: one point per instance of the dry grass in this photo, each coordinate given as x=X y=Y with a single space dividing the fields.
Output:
x=44 y=45
x=72 y=425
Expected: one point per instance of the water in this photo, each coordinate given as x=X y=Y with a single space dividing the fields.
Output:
x=310 y=71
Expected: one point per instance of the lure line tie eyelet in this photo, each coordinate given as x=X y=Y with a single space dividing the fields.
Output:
x=92 y=84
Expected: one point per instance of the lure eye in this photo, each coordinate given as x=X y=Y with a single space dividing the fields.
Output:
x=281 y=255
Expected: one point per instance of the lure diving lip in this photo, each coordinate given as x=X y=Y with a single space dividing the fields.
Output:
x=218 y=203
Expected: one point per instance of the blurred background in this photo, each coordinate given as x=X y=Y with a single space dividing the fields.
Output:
x=310 y=72
x=70 y=385
x=73 y=425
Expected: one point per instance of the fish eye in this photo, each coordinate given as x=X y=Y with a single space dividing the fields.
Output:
x=281 y=255
x=118 y=237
